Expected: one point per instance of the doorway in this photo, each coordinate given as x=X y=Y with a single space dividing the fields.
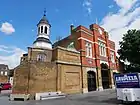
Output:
x=91 y=79
x=105 y=75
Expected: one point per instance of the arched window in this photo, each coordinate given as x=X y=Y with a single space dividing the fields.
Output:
x=41 y=29
x=88 y=49
x=38 y=29
x=41 y=57
x=45 y=30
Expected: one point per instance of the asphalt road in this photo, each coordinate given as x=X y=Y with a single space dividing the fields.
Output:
x=107 y=97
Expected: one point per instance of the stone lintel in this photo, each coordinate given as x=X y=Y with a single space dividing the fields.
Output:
x=65 y=49
x=69 y=63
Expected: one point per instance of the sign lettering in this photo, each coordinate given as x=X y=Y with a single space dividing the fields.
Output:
x=127 y=80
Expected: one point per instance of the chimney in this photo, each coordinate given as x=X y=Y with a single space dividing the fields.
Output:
x=106 y=35
x=71 y=28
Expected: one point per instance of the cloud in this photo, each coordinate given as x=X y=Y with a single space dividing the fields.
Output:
x=11 y=55
x=87 y=4
x=7 y=28
x=125 y=4
x=126 y=18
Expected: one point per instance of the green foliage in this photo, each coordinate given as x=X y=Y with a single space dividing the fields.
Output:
x=130 y=48
x=131 y=69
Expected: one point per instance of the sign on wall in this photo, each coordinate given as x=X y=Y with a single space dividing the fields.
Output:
x=127 y=80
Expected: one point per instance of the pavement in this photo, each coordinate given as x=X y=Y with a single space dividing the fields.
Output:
x=106 y=97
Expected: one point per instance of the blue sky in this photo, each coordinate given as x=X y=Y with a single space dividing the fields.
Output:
x=18 y=20
x=25 y=14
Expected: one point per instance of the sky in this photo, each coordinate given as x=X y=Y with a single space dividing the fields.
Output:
x=18 y=20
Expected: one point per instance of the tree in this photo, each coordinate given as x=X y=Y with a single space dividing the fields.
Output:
x=130 y=49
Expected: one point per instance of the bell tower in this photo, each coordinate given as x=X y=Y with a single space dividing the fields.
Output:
x=43 y=34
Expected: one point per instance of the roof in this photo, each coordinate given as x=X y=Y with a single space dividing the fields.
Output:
x=3 y=66
x=25 y=54
x=58 y=43
x=42 y=39
x=44 y=20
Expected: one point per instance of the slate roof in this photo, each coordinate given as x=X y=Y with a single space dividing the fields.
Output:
x=44 y=20
x=2 y=66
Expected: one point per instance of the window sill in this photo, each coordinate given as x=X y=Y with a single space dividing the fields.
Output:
x=88 y=57
x=103 y=55
x=113 y=62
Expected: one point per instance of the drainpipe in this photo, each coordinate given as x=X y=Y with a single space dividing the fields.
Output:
x=56 y=77
x=96 y=66
x=97 y=71
x=81 y=65
x=57 y=70
x=29 y=71
x=81 y=70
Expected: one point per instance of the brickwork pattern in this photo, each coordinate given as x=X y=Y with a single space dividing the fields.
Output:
x=20 y=81
x=3 y=79
x=70 y=79
x=42 y=77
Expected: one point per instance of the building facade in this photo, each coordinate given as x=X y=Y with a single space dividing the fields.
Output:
x=4 y=72
x=47 y=69
x=82 y=62
x=97 y=52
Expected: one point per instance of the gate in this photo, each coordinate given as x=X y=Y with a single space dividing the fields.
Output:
x=105 y=79
x=91 y=76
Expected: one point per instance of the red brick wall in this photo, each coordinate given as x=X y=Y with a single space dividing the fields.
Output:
x=82 y=34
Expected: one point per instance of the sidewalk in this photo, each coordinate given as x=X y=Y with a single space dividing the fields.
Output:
x=94 y=93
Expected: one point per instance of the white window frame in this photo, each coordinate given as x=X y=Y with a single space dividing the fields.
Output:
x=112 y=56
x=88 y=46
x=1 y=72
x=102 y=48
x=41 y=57
x=5 y=73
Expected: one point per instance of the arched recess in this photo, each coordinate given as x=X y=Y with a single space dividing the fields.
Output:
x=41 y=29
x=91 y=79
x=105 y=75
x=45 y=30
x=41 y=57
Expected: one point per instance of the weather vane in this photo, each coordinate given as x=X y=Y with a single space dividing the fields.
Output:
x=44 y=11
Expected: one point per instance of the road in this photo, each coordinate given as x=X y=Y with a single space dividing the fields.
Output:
x=107 y=97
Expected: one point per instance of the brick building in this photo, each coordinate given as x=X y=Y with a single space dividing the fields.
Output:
x=82 y=62
x=98 y=57
x=4 y=71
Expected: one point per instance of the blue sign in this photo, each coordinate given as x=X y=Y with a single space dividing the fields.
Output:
x=127 y=80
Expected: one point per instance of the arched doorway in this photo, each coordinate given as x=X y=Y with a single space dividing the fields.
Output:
x=91 y=79
x=105 y=75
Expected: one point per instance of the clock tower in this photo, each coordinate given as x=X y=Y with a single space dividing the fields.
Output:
x=43 y=34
